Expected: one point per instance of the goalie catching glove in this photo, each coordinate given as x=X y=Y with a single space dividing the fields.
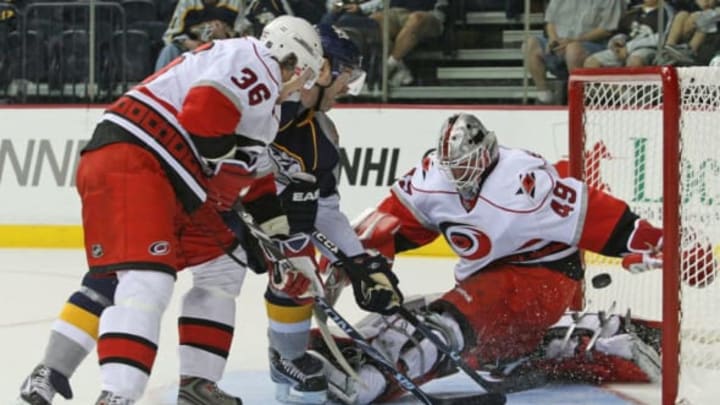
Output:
x=375 y=286
x=698 y=264
x=637 y=263
x=645 y=247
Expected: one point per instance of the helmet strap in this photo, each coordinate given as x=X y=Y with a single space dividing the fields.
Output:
x=320 y=96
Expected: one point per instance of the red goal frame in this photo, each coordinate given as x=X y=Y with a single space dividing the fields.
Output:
x=668 y=77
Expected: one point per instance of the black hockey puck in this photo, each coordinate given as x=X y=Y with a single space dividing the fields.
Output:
x=602 y=280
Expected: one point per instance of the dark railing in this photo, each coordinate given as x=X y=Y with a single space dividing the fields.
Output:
x=83 y=51
x=92 y=51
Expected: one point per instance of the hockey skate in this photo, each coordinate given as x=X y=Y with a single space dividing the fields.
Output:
x=299 y=381
x=41 y=386
x=108 y=398
x=199 y=391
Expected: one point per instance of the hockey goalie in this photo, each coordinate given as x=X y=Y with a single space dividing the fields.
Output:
x=517 y=228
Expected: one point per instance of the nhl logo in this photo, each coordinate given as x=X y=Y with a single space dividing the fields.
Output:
x=97 y=250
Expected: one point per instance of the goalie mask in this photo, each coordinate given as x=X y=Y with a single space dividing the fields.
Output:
x=465 y=150
x=343 y=55
x=293 y=41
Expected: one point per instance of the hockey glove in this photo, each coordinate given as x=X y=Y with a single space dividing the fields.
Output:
x=300 y=202
x=290 y=280
x=645 y=247
x=637 y=263
x=377 y=289
x=230 y=181
x=698 y=265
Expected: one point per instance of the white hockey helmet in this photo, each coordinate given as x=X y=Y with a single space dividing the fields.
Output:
x=294 y=39
x=465 y=150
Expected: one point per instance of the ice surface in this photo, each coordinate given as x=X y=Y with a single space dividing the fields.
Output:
x=35 y=283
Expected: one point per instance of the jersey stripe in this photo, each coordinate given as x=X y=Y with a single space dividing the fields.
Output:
x=267 y=68
x=178 y=168
x=208 y=112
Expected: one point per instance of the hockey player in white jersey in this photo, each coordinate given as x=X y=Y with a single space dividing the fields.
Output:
x=517 y=228
x=164 y=161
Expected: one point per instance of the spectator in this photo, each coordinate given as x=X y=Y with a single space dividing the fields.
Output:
x=351 y=13
x=574 y=29
x=513 y=9
x=8 y=23
x=409 y=22
x=260 y=12
x=688 y=32
x=635 y=43
x=195 y=22
x=311 y=10
x=353 y=16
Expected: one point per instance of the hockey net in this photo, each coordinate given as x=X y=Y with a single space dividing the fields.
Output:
x=651 y=136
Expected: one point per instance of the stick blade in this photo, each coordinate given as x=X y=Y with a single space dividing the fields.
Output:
x=493 y=398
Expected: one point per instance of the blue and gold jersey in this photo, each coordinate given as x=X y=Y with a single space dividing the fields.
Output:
x=308 y=141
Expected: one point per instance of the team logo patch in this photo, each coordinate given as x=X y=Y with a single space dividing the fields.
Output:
x=96 y=250
x=527 y=184
x=468 y=242
x=159 y=248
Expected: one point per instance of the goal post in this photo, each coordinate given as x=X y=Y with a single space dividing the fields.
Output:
x=651 y=136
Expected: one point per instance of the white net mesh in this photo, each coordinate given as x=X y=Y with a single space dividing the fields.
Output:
x=623 y=121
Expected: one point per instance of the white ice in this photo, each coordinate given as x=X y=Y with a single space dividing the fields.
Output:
x=35 y=283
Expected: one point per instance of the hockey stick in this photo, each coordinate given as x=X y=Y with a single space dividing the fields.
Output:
x=283 y=264
x=504 y=385
x=454 y=356
x=233 y=222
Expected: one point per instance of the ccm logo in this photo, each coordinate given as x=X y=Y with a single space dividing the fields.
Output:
x=159 y=248
x=302 y=197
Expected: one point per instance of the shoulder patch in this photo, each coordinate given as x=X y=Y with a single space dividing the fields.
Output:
x=527 y=184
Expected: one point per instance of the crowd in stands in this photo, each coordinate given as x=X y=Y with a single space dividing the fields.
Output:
x=613 y=33
x=576 y=33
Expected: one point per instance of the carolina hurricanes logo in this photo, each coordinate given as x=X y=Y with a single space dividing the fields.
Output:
x=468 y=242
x=159 y=248
x=527 y=184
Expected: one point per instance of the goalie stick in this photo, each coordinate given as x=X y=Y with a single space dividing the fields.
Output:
x=518 y=383
x=283 y=264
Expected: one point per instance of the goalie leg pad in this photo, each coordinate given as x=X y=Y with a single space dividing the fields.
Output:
x=618 y=355
x=505 y=311
x=397 y=339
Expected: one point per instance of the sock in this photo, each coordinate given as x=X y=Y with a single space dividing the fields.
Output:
x=392 y=62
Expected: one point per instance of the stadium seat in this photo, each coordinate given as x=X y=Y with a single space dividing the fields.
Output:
x=139 y=10
x=131 y=56
x=71 y=53
x=35 y=56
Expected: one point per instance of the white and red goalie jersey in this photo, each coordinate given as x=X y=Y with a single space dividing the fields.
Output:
x=525 y=213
